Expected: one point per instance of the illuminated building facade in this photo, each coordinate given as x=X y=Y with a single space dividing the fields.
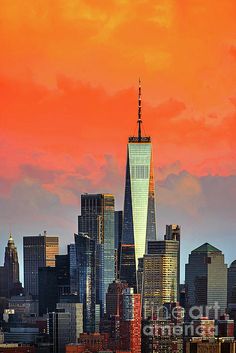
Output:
x=160 y=274
x=11 y=266
x=139 y=205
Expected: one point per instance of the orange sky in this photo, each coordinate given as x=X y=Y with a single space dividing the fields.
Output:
x=68 y=101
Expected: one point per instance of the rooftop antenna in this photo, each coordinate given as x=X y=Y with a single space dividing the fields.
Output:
x=139 y=112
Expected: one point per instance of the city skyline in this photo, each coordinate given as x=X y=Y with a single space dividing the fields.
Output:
x=69 y=103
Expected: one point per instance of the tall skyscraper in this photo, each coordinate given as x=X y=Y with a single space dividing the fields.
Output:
x=118 y=238
x=86 y=261
x=11 y=266
x=139 y=204
x=173 y=233
x=97 y=220
x=39 y=251
x=71 y=249
x=206 y=280
x=160 y=275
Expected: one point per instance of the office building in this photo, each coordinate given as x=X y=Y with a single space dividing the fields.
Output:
x=48 y=289
x=160 y=276
x=59 y=330
x=86 y=265
x=11 y=266
x=173 y=233
x=139 y=205
x=63 y=274
x=206 y=281
x=98 y=221
x=231 y=292
x=130 y=321
x=71 y=249
x=39 y=251
x=114 y=293
x=76 y=318
x=118 y=238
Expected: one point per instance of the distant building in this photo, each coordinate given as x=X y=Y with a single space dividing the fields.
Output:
x=231 y=293
x=86 y=264
x=206 y=281
x=76 y=318
x=94 y=342
x=130 y=321
x=160 y=276
x=16 y=348
x=47 y=290
x=63 y=274
x=11 y=266
x=139 y=205
x=24 y=305
x=118 y=238
x=160 y=336
x=173 y=233
x=98 y=221
x=59 y=330
x=196 y=345
x=71 y=249
x=39 y=251
x=113 y=297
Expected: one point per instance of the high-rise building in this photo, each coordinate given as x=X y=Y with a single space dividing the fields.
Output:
x=206 y=281
x=76 y=318
x=231 y=292
x=139 y=205
x=48 y=289
x=59 y=330
x=173 y=233
x=98 y=221
x=63 y=274
x=118 y=238
x=86 y=261
x=71 y=249
x=130 y=321
x=160 y=275
x=11 y=266
x=39 y=251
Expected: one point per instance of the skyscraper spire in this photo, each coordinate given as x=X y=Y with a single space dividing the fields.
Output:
x=139 y=112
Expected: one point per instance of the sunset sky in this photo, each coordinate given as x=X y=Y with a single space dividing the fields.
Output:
x=68 y=102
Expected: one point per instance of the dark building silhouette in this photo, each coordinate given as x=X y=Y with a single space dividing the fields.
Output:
x=118 y=238
x=11 y=266
x=48 y=289
x=63 y=274
x=39 y=251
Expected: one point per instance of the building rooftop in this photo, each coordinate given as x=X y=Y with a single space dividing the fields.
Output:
x=205 y=248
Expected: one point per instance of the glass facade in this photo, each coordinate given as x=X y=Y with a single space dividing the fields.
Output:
x=86 y=258
x=139 y=208
x=98 y=221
